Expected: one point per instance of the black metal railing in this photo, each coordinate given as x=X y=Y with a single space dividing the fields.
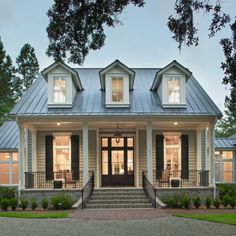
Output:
x=149 y=190
x=182 y=178
x=87 y=191
x=43 y=180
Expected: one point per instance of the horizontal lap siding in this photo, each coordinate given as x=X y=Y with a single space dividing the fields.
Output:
x=142 y=154
x=93 y=154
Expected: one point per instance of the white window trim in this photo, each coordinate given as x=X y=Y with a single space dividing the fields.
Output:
x=165 y=98
x=108 y=90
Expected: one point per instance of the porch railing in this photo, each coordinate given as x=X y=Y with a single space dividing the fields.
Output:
x=181 y=178
x=62 y=179
x=149 y=190
x=87 y=191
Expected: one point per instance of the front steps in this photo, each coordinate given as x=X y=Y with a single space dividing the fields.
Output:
x=118 y=198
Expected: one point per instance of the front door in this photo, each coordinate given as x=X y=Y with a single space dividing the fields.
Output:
x=117 y=161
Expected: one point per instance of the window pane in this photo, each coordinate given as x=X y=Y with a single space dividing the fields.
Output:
x=59 y=89
x=115 y=144
x=117 y=89
x=174 y=90
x=15 y=156
x=62 y=141
x=4 y=156
x=130 y=164
x=15 y=177
x=130 y=142
x=117 y=159
x=105 y=162
x=104 y=142
x=227 y=155
x=4 y=173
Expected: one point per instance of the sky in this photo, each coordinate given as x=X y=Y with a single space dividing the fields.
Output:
x=142 y=40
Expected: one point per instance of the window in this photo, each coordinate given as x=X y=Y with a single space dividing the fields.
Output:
x=62 y=154
x=172 y=160
x=59 y=89
x=173 y=90
x=117 y=89
x=9 y=168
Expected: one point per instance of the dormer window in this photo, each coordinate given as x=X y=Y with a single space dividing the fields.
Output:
x=117 y=89
x=173 y=86
x=59 y=89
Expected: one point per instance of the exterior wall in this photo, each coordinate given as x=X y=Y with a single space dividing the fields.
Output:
x=203 y=150
x=142 y=158
x=93 y=157
x=29 y=151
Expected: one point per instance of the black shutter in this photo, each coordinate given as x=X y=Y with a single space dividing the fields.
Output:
x=159 y=155
x=184 y=157
x=49 y=157
x=75 y=156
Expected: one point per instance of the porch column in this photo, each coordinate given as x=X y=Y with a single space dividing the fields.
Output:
x=149 y=151
x=85 y=153
x=212 y=152
x=21 y=156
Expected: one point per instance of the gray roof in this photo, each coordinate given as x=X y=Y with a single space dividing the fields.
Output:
x=91 y=101
x=225 y=143
x=9 y=135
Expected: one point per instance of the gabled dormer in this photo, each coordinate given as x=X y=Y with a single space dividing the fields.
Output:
x=170 y=84
x=63 y=82
x=117 y=81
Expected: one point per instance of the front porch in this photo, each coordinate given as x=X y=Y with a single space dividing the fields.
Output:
x=170 y=163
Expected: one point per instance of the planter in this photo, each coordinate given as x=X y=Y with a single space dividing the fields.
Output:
x=175 y=183
x=57 y=184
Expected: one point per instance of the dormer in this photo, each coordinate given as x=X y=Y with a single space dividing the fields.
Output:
x=170 y=84
x=117 y=81
x=63 y=82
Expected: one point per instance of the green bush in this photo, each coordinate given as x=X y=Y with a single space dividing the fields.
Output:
x=225 y=200
x=232 y=202
x=186 y=201
x=5 y=203
x=197 y=201
x=45 y=203
x=226 y=189
x=34 y=204
x=61 y=202
x=24 y=203
x=173 y=201
x=208 y=202
x=216 y=203
x=6 y=193
x=13 y=203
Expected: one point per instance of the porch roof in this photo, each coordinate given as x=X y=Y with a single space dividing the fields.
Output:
x=9 y=136
x=91 y=101
x=225 y=143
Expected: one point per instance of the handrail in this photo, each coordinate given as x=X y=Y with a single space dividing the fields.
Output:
x=149 y=190
x=87 y=190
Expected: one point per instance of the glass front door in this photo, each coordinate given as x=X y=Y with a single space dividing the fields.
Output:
x=117 y=162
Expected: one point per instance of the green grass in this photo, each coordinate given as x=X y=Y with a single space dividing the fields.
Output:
x=31 y=215
x=219 y=218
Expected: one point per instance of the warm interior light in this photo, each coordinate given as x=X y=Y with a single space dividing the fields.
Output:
x=58 y=123
x=175 y=123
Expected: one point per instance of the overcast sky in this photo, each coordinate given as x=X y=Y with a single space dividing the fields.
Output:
x=143 y=40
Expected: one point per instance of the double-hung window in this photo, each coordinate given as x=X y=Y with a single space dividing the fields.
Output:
x=59 y=89
x=174 y=92
x=117 y=89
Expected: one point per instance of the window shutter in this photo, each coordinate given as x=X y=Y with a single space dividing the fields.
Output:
x=184 y=157
x=49 y=157
x=75 y=156
x=159 y=155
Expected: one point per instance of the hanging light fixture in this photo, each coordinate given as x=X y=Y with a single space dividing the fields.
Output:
x=117 y=134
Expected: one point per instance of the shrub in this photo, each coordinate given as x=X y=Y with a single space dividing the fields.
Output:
x=6 y=193
x=24 y=203
x=61 y=202
x=4 y=204
x=208 y=202
x=13 y=203
x=232 y=202
x=216 y=203
x=197 y=202
x=225 y=200
x=186 y=201
x=226 y=189
x=34 y=204
x=173 y=201
x=45 y=203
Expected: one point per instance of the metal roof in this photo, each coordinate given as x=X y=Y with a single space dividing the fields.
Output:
x=9 y=135
x=225 y=143
x=91 y=101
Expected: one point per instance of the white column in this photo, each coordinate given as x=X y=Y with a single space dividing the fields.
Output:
x=149 y=152
x=98 y=158
x=212 y=152
x=21 y=156
x=199 y=150
x=85 y=153
x=136 y=160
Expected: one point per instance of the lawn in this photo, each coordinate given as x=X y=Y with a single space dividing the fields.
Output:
x=219 y=218
x=34 y=215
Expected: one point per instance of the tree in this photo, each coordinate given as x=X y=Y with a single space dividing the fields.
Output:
x=28 y=68
x=7 y=77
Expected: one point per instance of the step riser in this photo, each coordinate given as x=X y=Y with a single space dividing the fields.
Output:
x=117 y=201
x=116 y=206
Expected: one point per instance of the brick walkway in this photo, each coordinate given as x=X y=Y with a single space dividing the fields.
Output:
x=118 y=214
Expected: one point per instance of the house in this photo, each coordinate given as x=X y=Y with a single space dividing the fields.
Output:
x=9 y=154
x=116 y=122
x=225 y=159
